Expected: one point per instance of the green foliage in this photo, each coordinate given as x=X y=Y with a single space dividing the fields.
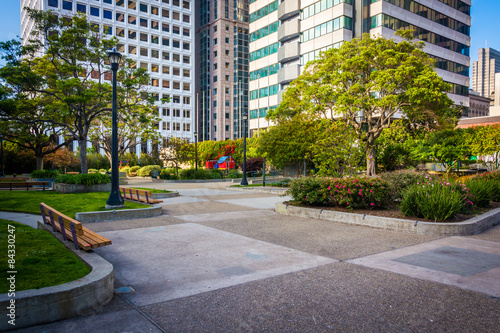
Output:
x=485 y=141
x=84 y=179
x=234 y=174
x=18 y=160
x=93 y=170
x=482 y=191
x=44 y=174
x=199 y=174
x=152 y=158
x=148 y=170
x=134 y=168
x=124 y=169
x=435 y=200
x=43 y=260
x=494 y=178
x=131 y=158
x=362 y=192
x=399 y=181
x=104 y=170
x=98 y=161
x=168 y=173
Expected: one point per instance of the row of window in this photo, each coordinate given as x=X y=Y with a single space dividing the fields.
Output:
x=263 y=32
x=420 y=33
x=264 y=52
x=431 y=14
x=341 y=22
x=260 y=113
x=131 y=4
x=260 y=13
x=186 y=127
x=145 y=52
x=313 y=55
x=264 y=92
x=458 y=89
x=263 y=72
x=153 y=39
x=450 y=66
x=120 y=32
x=458 y=5
x=167 y=112
x=320 y=6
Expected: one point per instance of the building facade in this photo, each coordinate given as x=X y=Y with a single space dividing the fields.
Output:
x=285 y=35
x=221 y=68
x=483 y=72
x=479 y=105
x=159 y=36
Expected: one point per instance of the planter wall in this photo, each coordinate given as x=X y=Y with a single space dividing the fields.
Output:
x=50 y=180
x=74 y=188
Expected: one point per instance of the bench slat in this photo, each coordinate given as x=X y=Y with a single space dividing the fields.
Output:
x=67 y=220
x=138 y=195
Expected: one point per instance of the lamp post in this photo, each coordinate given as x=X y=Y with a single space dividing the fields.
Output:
x=196 y=150
x=115 y=200
x=245 y=119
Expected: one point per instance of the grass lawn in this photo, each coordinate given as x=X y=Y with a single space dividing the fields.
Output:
x=152 y=190
x=41 y=260
x=68 y=204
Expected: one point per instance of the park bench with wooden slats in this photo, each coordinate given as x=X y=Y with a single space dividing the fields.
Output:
x=24 y=184
x=72 y=229
x=13 y=179
x=138 y=195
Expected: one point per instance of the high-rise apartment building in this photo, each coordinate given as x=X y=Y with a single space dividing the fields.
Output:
x=285 y=35
x=221 y=68
x=483 y=72
x=159 y=36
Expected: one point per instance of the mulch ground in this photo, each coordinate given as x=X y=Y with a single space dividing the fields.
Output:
x=395 y=212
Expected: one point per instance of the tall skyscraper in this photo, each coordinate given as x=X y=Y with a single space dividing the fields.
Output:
x=483 y=72
x=285 y=35
x=221 y=68
x=159 y=35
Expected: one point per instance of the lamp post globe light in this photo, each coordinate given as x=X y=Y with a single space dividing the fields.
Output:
x=196 y=150
x=245 y=120
x=115 y=200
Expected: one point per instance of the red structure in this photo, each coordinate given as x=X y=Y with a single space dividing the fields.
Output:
x=224 y=163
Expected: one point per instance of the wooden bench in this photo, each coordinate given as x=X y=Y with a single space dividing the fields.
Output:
x=72 y=229
x=13 y=179
x=138 y=195
x=25 y=184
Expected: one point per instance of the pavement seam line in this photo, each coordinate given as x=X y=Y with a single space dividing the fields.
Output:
x=145 y=315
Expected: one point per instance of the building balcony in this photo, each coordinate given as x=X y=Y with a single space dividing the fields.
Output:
x=288 y=29
x=288 y=73
x=288 y=8
x=289 y=52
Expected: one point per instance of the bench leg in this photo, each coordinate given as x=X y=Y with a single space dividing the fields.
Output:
x=63 y=230
x=44 y=218
x=52 y=221
x=73 y=233
x=147 y=199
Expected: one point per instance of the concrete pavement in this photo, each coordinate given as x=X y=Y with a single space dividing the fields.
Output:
x=221 y=262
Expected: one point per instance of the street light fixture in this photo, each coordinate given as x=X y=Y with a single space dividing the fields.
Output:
x=115 y=200
x=196 y=150
x=245 y=120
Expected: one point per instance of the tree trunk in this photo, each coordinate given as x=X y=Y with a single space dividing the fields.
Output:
x=39 y=162
x=82 y=145
x=370 y=161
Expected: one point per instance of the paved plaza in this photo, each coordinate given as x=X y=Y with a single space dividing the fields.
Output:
x=221 y=260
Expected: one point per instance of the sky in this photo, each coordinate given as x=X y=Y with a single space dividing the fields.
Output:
x=484 y=32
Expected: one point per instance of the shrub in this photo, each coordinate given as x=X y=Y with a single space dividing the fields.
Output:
x=134 y=168
x=84 y=179
x=104 y=170
x=44 y=174
x=234 y=174
x=399 y=181
x=435 y=201
x=92 y=170
x=167 y=174
x=97 y=161
x=360 y=192
x=200 y=174
x=494 y=178
x=482 y=190
x=125 y=169
x=148 y=170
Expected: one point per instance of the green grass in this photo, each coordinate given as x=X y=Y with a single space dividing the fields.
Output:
x=68 y=204
x=40 y=259
x=152 y=190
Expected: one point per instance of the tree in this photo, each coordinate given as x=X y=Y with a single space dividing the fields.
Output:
x=71 y=75
x=63 y=158
x=176 y=151
x=485 y=141
x=366 y=82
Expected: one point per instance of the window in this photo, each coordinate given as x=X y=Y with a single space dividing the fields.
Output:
x=227 y=27
x=215 y=91
x=165 y=55
x=165 y=69
x=155 y=82
x=186 y=32
x=186 y=113
x=120 y=3
x=132 y=4
x=143 y=37
x=165 y=42
x=227 y=90
x=144 y=52
x=215 y=28
x=215 y=54
x=155 y=54
x=186 y=59
x=166 y=1
x=186 y=100
x=107 y=1
x=120 y=32
x=154 y=39
x=120 y=17
x=107 y=14
x=80 y=8
x=215 y=41
x=185 y=18
x=176 y=57
x=143 y=7
x=227 y=52
x=154 y=10
x=215 y=105
x=144 y=65
x=227 y=65
x=68 y=5
x=132 y=49
x=185 y=46
x=214 y=78
x=143 y=22
x=176 y=44
x=185 y=4
x=186 y=86
x=227 y=40
x=107 y=30
x=227 y=104
x=155 y=25
x=186 y=73
x=227 y=77
x=155 y=68
x=164 y=126
x=215 y=66
x=176 y=16
x=165 y=27
x=165 y=13
x=175 y=3
x=176 y=71
x=132 y=19
x=166 y=84
x=176 y=30
x=94 y=11
x=176 y=99
x=132 y=34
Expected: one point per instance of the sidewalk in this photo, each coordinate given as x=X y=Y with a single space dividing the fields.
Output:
x=224 y=261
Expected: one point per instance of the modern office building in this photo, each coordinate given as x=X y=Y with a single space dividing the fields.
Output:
x=483 y=72
x=285 y=35
x=221 y=68
x=159 y=35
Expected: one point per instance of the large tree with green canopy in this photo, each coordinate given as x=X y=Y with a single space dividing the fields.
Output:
x=366 y=82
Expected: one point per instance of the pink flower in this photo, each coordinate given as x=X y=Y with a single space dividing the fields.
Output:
x=347 y=203
x=371 y=204
x=371 y=191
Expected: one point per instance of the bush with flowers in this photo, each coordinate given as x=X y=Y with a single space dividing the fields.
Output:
x=354 y=192
x=400 y=180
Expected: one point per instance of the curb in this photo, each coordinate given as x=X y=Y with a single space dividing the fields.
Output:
x=45 y=305
x=469 y=227
x=164 y=195
x=124 y=214
x=258 y=189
